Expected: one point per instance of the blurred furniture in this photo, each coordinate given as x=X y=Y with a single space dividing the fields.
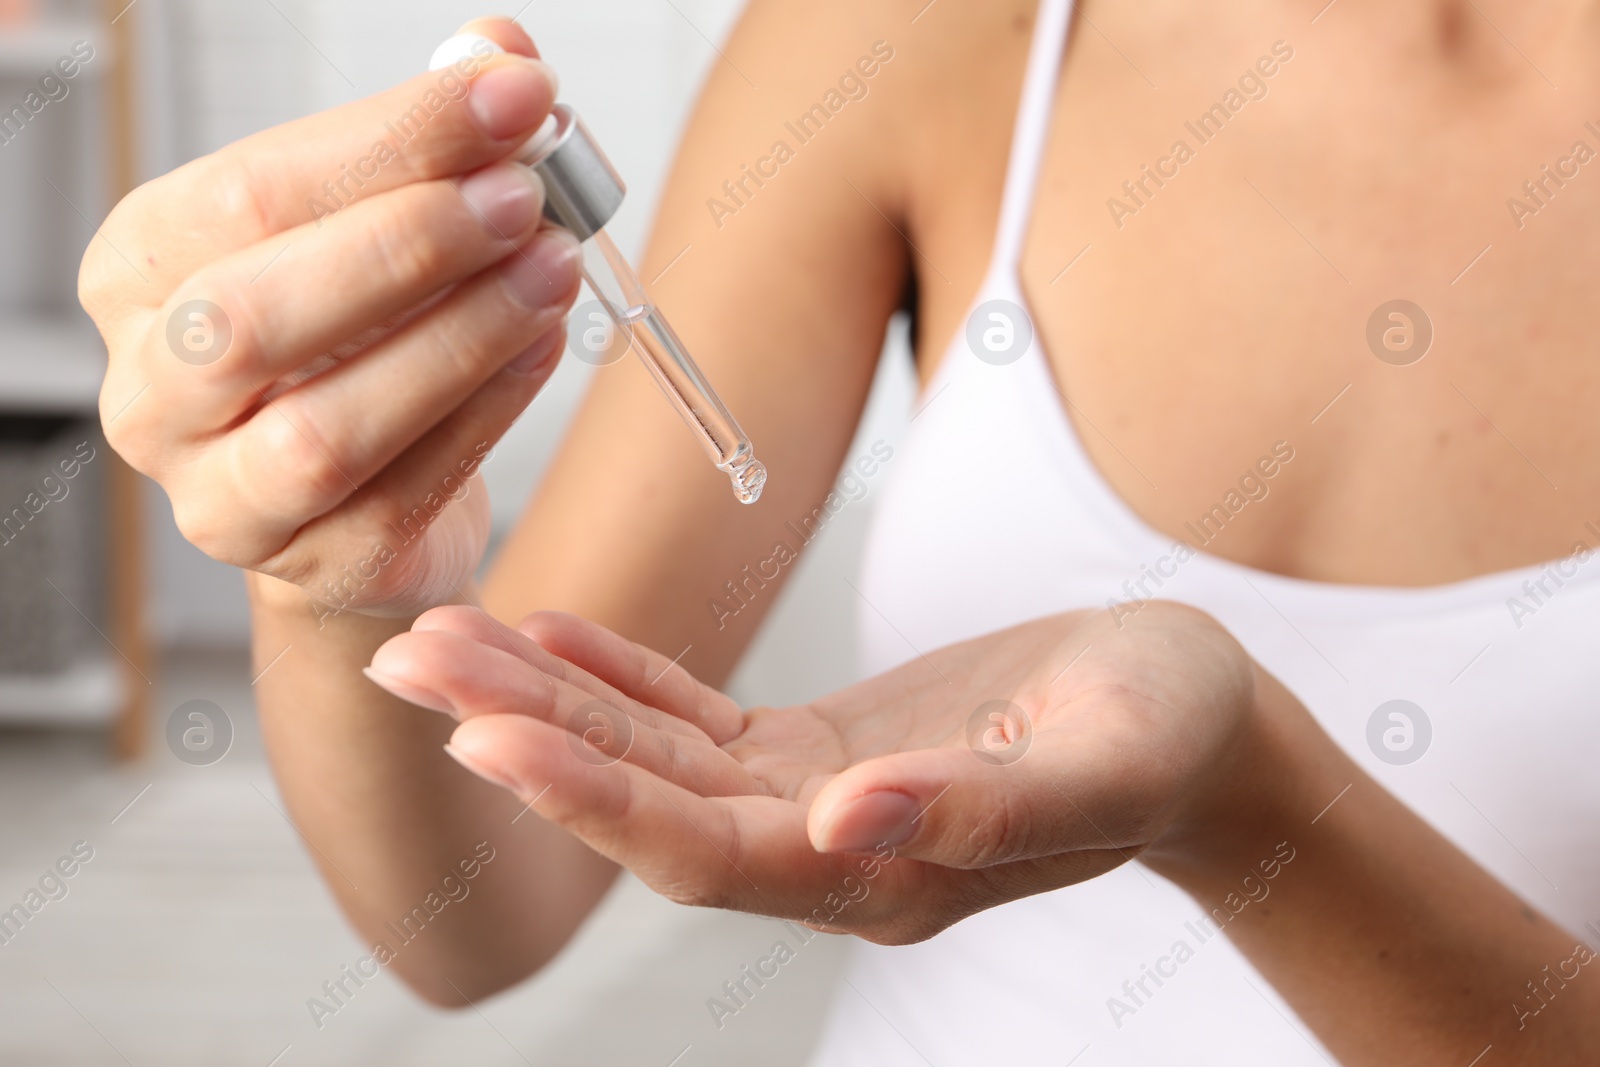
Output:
x=73 y=648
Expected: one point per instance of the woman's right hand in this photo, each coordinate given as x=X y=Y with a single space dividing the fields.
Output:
x=317 y=333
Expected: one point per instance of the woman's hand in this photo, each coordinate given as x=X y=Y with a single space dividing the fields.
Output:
x=1005 y=766
x=316 y=334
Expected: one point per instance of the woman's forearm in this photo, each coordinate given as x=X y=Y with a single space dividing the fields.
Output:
x=1389 y=942
x=396 y=825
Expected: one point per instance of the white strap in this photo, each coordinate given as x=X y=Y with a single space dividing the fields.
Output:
x=1032 y=129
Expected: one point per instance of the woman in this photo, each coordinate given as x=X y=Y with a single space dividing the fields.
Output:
x=1237 y=234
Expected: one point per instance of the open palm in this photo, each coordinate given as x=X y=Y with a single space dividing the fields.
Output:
x=1003 y=766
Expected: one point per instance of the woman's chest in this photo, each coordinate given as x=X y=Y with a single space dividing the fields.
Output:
x=1241 y=245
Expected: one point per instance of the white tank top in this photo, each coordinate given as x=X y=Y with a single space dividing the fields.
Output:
x=994 y=514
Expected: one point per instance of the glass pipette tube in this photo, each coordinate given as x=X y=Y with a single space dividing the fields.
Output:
x=642 y=325
x=582 y=193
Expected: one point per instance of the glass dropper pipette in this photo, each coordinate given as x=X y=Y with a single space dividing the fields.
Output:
x=582 y=193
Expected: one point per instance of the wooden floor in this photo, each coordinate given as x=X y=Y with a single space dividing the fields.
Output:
x=198 y=930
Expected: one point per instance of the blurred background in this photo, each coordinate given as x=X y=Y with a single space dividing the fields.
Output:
x=196 y=931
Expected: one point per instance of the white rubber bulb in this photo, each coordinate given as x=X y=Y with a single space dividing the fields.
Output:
x=461 y=46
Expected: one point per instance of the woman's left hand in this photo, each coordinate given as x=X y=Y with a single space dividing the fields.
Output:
x=986 y=771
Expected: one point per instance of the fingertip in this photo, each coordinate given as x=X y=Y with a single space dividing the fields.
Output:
x=502 y=31
x=457 y=618
x=549 y=628
x=538 y=361
x=864 y=822
x=390 y=676
x=488 y=740
x=480 y=745
x=884 y=800
x=545 y=273
x=511 y=95
x=473 y=623
x=531 y=757
x=390 y=655
x=410 y=657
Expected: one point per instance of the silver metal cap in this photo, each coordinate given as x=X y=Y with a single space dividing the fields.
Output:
x=582 y=189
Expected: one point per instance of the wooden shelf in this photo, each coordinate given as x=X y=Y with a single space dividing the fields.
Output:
x=30 y=51
x=55 y=366
x=49 y=365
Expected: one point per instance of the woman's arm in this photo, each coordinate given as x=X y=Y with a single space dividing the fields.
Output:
x=784 y=303
x=387 y=817
x=782 y=286
x=784 y=306
x=1099 y=742
x=1388 y=941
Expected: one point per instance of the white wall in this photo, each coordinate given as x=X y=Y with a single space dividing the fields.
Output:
x=225 y=68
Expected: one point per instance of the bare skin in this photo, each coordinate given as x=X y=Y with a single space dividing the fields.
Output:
x=1203 y=329
x=1156 y=739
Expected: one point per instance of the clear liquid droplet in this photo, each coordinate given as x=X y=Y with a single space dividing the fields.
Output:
x=748 y=481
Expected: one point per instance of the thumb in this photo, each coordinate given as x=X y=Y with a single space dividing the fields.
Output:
x=956 y=808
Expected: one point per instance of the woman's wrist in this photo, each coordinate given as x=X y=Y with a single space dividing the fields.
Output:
x=1243 y=818
x=286 y=602
x=282 y=615
x=274 y=594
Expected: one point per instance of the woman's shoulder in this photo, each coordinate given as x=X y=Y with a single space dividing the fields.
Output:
x=926 y=65
x=930 y=31
x=912 y=98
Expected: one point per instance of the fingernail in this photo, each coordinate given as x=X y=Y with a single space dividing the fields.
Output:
x=537 y=354
x=494 y=777
x=542 y=271
x=872 y=819
x=425 y=698
x=506 y=198
x=512 y=98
